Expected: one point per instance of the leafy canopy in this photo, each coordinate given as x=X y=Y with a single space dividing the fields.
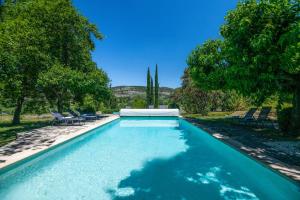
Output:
x=48 y=41
x=260 y=43
x=206 y=65
x=259 y=54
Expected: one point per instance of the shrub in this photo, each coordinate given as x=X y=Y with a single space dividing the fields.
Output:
x=89 y=105
x=110 y=110
x=173 y=105
x=138 y=102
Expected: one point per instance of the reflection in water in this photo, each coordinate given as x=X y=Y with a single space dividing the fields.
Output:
x=231 y=193
x=149 y=123
x=196 y=173
x=226 y=191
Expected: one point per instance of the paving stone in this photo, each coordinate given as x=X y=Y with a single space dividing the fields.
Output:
x=36 y=138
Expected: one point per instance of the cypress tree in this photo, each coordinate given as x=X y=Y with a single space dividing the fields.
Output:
x=156 y=87
x=151 y=92
x=148 y=89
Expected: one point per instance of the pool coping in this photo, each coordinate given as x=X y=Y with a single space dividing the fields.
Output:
x=20 y=157
x=263 y=161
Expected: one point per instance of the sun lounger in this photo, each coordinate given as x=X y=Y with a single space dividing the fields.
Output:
x=248 y=117
x=59 y=118
x=84 y=116
x=262 y=118
x=91 y=115
x=261 y=121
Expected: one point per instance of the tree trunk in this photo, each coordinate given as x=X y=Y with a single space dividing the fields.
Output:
x=296 y=111
x=59 y=105
x=17 y=113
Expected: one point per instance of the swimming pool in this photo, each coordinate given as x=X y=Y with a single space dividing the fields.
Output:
x=144 y=158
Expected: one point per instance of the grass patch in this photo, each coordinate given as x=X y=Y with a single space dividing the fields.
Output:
x=209 y=115
x=222 y=119
x=8 y=132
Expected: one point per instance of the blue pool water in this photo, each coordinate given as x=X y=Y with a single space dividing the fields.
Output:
x=144 y=159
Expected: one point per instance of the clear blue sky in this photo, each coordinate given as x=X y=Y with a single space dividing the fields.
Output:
x=141 y=33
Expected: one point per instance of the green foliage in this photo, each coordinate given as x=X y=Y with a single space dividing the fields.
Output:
x=256 y=42
x=36 y=105
x=148 y=89
x=62 y=84
x=284 y=115
x=94 y=83
x=45 y=46
x=195 y=101
x=111 y=105
x=89 y=105
x=206 y=65
x=156 y=88
x=23 y=51
x=255 y=56
x=259 y=56
x=138 y=102
x=58 y=84
x=151 y=91
x=232 y=101
x=192 y=99
x=173 y=105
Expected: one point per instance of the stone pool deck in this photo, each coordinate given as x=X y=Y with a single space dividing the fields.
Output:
x=280 y=155
x=34 y=141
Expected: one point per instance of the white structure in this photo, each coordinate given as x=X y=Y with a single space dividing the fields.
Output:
x=149 y=112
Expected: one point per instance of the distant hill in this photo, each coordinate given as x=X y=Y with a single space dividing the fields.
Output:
x=130 y=91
